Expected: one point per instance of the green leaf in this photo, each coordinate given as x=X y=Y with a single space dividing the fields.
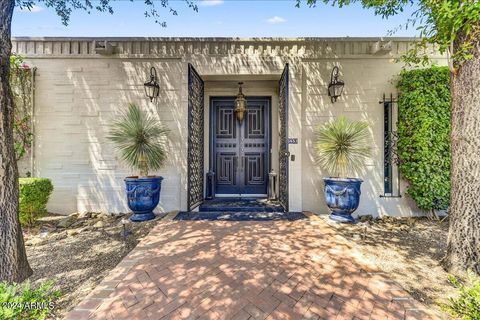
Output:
x=342 y=146
x=424 y=135
x=140 y=139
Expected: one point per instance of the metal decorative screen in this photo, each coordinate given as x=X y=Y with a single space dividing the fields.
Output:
x=195 y=138
x=391 y=160
x=283 y=148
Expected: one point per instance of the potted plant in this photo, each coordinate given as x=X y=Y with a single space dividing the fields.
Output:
x=140 y=139
x=341 y=147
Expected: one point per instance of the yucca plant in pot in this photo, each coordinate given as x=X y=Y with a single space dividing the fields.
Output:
x=341 y=148
x=140 y=140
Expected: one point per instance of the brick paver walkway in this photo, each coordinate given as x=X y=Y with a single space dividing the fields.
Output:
x=246 y=270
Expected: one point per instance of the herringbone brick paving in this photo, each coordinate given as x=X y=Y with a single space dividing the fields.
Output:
x=246 y=270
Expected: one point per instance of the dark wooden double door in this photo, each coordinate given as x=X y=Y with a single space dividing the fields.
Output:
x=240 y=151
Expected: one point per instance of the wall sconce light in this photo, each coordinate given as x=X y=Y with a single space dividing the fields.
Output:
x=152 y=89
x=240 y=103
x=335 y=87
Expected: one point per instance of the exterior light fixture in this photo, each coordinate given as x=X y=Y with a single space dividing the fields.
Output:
x=240 y=103
x=152 y=89
x=335 y=87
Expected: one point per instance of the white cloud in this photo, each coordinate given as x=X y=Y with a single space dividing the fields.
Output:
x=211 y=3
x=276 y=20
x=33 y=9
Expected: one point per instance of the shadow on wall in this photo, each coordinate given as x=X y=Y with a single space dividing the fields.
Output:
x=364 y=83
x=87 y=94
x=100 y=91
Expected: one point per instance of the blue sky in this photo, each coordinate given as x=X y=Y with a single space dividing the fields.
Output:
x=240 y=18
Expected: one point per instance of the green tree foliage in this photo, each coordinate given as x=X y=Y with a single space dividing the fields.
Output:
x=64 y=8
x=34 y=194
x=22 y=302
x=424 y=135
x=466 y=305
x=443 y=23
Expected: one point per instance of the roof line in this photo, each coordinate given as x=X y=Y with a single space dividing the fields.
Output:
x=200 y=39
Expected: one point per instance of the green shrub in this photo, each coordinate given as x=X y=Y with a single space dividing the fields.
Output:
x=466 y=305
x=34 y=194
x=424 y=135
x=22 y=302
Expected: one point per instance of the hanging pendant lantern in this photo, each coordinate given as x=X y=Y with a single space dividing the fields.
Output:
x=152 y=88
x=240 y=103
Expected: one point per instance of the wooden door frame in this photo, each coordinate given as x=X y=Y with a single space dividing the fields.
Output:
x=212 y=129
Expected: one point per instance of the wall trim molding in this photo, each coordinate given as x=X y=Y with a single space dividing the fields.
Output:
x=151 y=48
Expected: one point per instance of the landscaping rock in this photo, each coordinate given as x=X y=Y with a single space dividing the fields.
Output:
x=99 y=224
x=94 y=215
x=367 y=217
x=86 y=228
x=72 y=232
x=92 y=221
x=66 y=222
x=36 y=241
x=45 y=231
x=79 y=223
x=85 y=215
x=58 y=236
x=105 y=217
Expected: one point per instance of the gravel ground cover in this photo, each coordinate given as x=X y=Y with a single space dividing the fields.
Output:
x=410 y=250
x=78 y=251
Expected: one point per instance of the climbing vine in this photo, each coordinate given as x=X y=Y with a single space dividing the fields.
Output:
x=424 y=135
x=21 y=82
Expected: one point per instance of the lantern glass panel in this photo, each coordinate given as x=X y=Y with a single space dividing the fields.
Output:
x=338 y=87
x=148 y=90
x=331 y=90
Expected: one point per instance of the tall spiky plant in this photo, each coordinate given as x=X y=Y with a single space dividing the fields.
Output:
x=140 y=139
x=342 y=146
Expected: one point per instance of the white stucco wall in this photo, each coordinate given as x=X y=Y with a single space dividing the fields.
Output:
x=78 y=92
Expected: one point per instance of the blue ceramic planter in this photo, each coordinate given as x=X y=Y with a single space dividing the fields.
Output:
x=143 y=195
x=342 y=197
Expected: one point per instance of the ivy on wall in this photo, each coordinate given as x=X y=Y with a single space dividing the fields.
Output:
x=424 y=135
x=21 y=82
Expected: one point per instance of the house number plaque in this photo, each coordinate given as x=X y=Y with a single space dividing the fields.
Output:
x=292 y=140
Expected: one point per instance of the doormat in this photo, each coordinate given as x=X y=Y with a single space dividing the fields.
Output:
x=239 y=216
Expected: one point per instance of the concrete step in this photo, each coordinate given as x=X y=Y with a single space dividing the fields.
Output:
x=240 y=205
x=239 y=216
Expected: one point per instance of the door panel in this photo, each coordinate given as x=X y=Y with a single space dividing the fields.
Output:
x=240 y=151
x=226 y=168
